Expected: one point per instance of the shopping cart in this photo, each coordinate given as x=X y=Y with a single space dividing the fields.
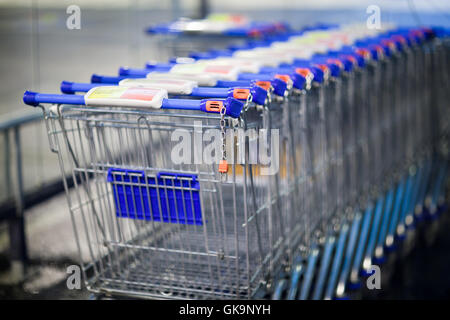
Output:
x=147 y=225
x=177 y=198
x=216 y=31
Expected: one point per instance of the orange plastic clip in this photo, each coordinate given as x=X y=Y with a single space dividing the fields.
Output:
x=336 y=61
x=400 y=38
x=283 y=77
x=352 y=59
x=223 y=166
x=241 y=94
x=323 y=67
x=263 y=84
x=380 y=48
x=214 y=106
x=304 y=72
x=254 y=33
x=363 y=52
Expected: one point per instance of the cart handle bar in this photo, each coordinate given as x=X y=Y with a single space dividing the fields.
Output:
x=233 y=106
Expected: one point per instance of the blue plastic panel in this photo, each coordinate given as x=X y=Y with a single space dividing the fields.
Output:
x=170 y=197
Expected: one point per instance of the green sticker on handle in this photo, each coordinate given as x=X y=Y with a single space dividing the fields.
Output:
x=107 y=93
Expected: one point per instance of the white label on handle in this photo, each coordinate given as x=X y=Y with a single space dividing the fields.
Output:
x=173 y=86
x=244 y=65
x=265 y=58
x=222 y=72
x=292 y=52
x=133 y=97
x=202 y=79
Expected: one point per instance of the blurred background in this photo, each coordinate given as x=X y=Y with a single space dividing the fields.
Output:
x=38 y=51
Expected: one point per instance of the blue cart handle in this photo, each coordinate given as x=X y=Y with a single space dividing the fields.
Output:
x=210 y=92
x=74 y=87
x=255 y=76
x=95 y=78
x=236 y=83
x=116 y=79
x=69 y=87
x=232 y=106
x=34 y=99
x=124 y=71
x=259 y=95
x=279 y=85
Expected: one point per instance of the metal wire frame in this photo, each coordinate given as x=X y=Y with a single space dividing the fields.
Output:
x=343 y=145
x=241 y=242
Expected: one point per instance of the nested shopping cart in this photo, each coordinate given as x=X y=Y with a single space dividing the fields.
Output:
x=152 y=216
x=220 y=198
x=216 y=31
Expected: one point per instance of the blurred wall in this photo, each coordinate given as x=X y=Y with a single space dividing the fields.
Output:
x=38 y=51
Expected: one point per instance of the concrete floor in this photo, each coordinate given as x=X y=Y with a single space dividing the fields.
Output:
x=52 y=249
